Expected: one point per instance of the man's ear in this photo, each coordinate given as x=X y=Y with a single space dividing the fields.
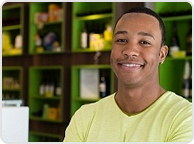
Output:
x=163 y=53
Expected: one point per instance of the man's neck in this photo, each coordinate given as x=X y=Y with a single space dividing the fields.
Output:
x=135 y=100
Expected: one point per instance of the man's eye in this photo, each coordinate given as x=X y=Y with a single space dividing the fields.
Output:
x=121 y=40
x=145 y=42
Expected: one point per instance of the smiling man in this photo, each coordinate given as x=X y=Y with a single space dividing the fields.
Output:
x=136 y=54
x=141 y=110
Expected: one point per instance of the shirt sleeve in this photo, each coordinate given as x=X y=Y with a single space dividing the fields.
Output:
x=73 y=132
x=181 y=130
x=79 y=125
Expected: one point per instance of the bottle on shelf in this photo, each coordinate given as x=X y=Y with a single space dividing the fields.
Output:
x=16 y=84
x=186 y=80
x=103 y=85
x=58 y=89
x=46 y=88
x=174 y=44
x=52 y=88
x=49 y=90
x=108 y=33
x=44 y=111
x=42 y=88
x=18 y=41
x=84 y=39
x=38 y=42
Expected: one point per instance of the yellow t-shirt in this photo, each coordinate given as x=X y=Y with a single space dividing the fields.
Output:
x=168 y=119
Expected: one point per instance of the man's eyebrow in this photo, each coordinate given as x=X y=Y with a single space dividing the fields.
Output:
x=140 y=33
x=146 y=34
x=120 y=32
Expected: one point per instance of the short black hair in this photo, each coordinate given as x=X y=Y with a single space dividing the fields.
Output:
x=151 y=13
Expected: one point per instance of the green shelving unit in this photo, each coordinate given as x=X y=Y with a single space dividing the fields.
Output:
x=45 y=106
x=76 y=99
x=93 y=16
x=47 y=21
x=171 y=71
x=12 y=82
x=12 y=30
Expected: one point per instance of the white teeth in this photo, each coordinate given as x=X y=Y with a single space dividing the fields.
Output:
x=131 y=65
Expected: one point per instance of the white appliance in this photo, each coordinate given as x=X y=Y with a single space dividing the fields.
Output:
x=15 y=124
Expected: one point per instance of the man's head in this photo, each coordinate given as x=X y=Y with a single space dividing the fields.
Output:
x=138 y=47
x=151 y=13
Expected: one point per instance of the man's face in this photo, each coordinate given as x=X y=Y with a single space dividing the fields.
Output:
x=135 y=54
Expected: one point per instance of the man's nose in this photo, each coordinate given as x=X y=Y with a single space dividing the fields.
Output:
x=131 y=50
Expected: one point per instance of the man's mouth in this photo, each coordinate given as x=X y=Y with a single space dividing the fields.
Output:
x=130 y=66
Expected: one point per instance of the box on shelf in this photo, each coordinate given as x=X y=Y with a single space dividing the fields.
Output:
x=89 y=81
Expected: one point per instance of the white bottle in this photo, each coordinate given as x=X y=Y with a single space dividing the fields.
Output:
x=58 y=90
x=18 y=41
x=42 y=89
x=186 y=80
x=84 y=39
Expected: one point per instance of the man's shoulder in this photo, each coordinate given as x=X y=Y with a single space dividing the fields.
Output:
x=174 y=98
x=175 y=102
x=98 y=104
x=89 y=111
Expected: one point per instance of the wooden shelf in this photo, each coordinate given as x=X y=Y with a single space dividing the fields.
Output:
x=95 y=17
x=177 y=18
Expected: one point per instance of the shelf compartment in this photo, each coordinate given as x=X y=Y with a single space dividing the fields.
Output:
x=94 y=19
x=45 y=107
x=76 y=99
x=54 y=26
x=7 y=16
x=12 y=82
x=12 y=26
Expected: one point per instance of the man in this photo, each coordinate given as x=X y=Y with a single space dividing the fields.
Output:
x=141 y=110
